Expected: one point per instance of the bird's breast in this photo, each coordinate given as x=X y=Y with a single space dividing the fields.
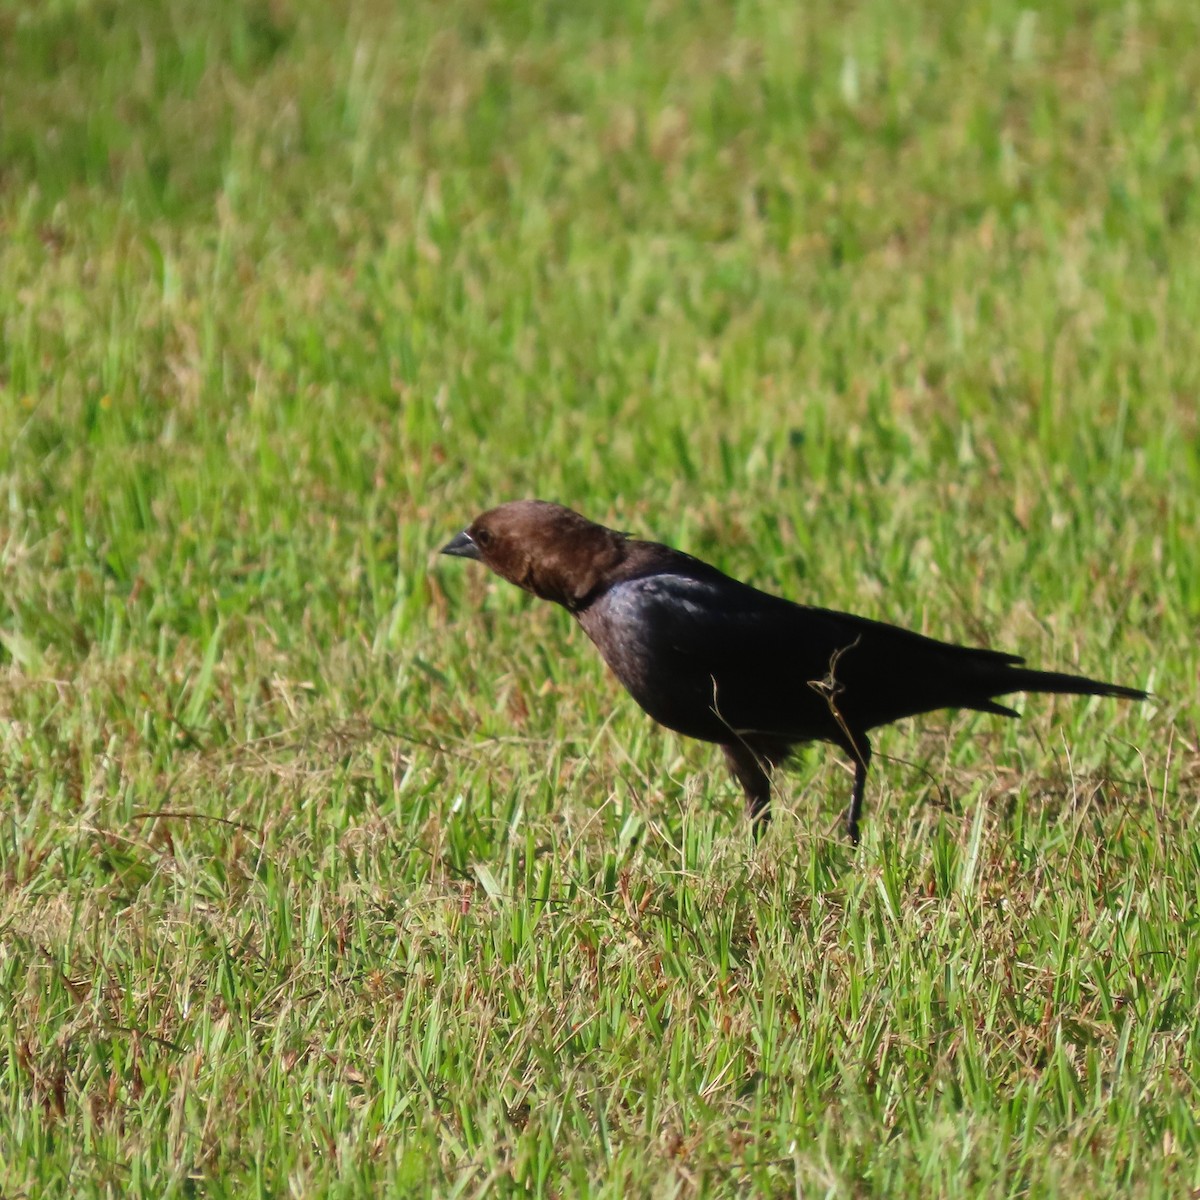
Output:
x=647 y=634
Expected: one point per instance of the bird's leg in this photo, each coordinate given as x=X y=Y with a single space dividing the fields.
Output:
x=754 y=774
x=860 y=749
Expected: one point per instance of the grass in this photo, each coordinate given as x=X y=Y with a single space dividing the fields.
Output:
x=330 y=868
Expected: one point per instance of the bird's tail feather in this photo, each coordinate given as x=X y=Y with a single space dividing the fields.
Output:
x=1023 y=679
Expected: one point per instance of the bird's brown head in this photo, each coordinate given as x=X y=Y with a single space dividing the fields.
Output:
x=544 y=548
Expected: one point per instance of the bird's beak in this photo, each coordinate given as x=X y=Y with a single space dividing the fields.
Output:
x=463 y=546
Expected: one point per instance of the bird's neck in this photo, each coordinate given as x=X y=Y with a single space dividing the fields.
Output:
x=577 y=574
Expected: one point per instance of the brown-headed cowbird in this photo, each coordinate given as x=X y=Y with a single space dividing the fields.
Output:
x=716 y=659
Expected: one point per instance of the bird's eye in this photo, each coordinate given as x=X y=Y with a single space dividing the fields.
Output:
x=481 y=537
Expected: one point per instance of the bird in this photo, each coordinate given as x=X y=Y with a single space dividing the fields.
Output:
x=716 y=659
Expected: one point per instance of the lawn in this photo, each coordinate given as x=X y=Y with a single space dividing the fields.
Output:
x=330 y=867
